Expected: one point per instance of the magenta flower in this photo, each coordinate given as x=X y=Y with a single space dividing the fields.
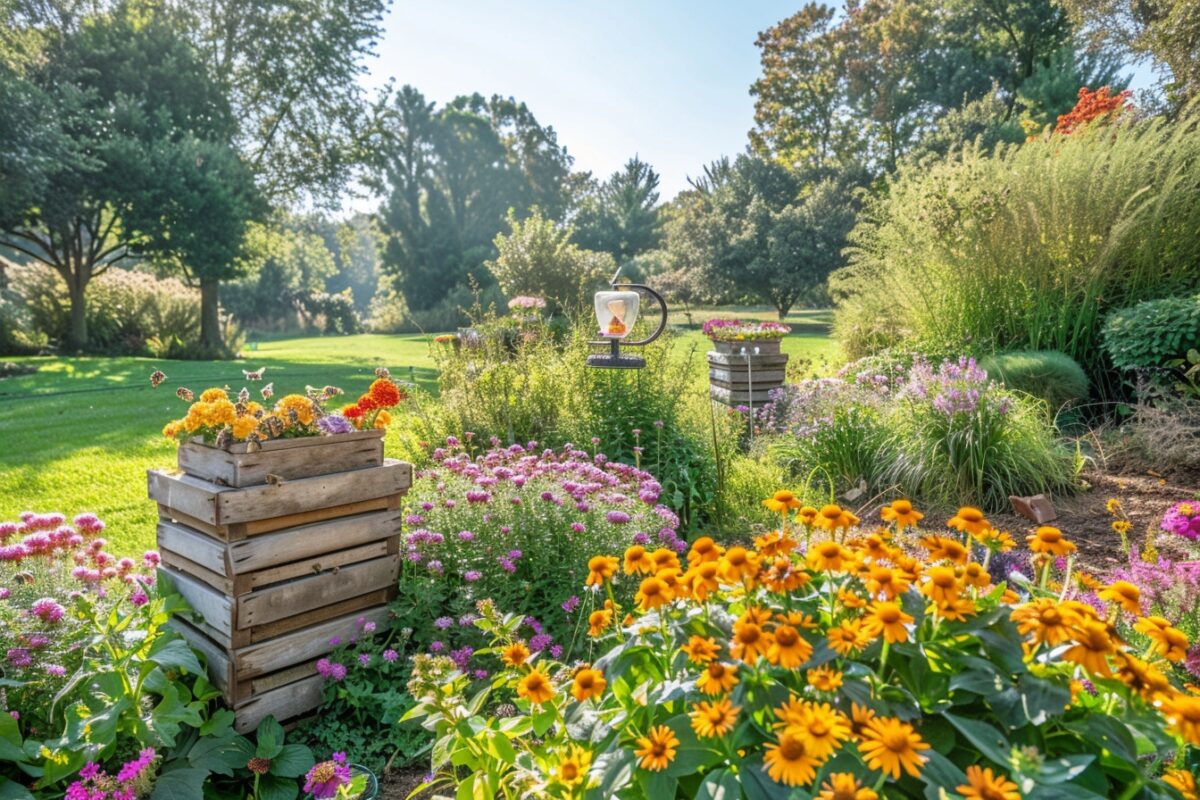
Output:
x=325 y=778
x=47 y=609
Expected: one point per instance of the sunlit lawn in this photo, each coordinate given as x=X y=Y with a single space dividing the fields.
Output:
x=80 y=433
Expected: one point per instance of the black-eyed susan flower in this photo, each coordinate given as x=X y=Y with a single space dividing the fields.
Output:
x=703 y=550
x=536 y=686
x=1048 y=539
x=652 y=593
x=1184 y=781
x=515 y=654
x=638 y=560
x=665 y=559
x=969 y=520
x=1141 y=676
x=892 y=746
x=749 y=642
x=1124 y=594
x=889 y=582
x=941 y=584
x=738 y=564
x=701 y=650
x=833 y=517
x=789 y=762
x=821 y=727
x=942 y=548
x=588 y=683
x=973 y=574
x=983 y=784
x=807 y=516
x=703 y=579
x=573 y=766
x=787 y=648
x=902 y=514
x=782 y=502
x=714 y=718
x=827 y=557
x=1093 y=645
x=1183 y=715
x=824 y=679
x=601 y=569
x=844 y=786
x=888 y=619
x=1165 y=639
x=847 y=637
x=717 y=678
x=598 y=621
x=656 y=750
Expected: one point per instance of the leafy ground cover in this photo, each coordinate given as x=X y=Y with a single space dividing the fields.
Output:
x=79 y=433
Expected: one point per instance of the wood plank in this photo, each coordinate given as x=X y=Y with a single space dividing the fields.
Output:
x=214 y=608
x=304 y=460
x=185 y=494
x=206 y=551
x=216 y=580
x=773 y=376
x=730 y=397
x=256 y=687
x=244 y=638
x=294 y=543
x=272 y=445
x=736 y=359
x=314 y=565
x=303 y=645
x=220 y=667
x=305 y=594
x=221 y=532
x=282 y=703
x=306 y=494
x=259 y=527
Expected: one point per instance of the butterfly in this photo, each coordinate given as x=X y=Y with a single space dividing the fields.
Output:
x=382 y=372
x=254 y=376
x=268 y=391
x=185 y=394
x=157 y=377
x=244 y=396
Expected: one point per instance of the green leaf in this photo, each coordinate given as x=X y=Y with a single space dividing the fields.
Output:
x=720 y=784
x=11 y=790
x=10 y=740
x=221 y=721
x=1109 y=732
x=172 y=652
x=691 y=755
x=221 y=754
x=184 y=783
x=270 y=738
x=658 y=784
x=544 y=719
x=273 y=787
x=986 y=739
x=757 y=785
x=1062 y=770
x=616 y=772
x=293 y=761
x=940 y=773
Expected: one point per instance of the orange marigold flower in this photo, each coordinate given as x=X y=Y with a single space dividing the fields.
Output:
x=385 y=393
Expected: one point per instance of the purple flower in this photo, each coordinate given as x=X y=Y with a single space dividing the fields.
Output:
x=56 y=670
x=325 y=778
x=462 y=657
x=337 y=671
x=324 y=667
x=466 y=536
x=47 y=610
x=571 y=603
x=333 y=424
x=390 y=656
x=442 y=623
x=540 y=642
x=556 y=651
x=617 y=517
x=578 y=527
x=472 y=575
x=364 y=659
x=139 y=597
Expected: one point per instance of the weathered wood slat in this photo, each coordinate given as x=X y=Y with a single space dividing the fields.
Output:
x=223 y=505
x=286 y=459
x=303 y=645
x=306 y=594
x=770 y=376
x=314 y=565
x=284 y=702
x=219 y=660
x=196 y=547
x=215 y=609
x=260 y=552
x=733 y=397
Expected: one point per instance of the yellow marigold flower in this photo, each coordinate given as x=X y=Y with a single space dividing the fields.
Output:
x=1183 y=714
x=598 y=622
x=847 y=637
x=1124 y=594
x=536 y=686
x=749 y=642
x=714 y=718
x=244 y=426
x=782 y=502
x=889 y=619
x=211 y=395
x=1184 y=781
x=844 y=786
x=601 y=569
x=701 y=650
x=902 y=513
x=717 y=678
x=1047 y=539
x=789 y=762
x=221 y=412
x=891 y=746
x=1165 y=640
x=703 y=550
x=788 y=648
x=573 y=766
x=827 y=557
x=382 y=420
x=942 y=548
x=171 y=429
x=969 y=520
x=656 y=750
x=588 y=683
x=298 y=404
x=652 y=594
x=665 y=559
x=983 y=784
x=886 y=581
x=253 y=408
x=515 y=654
x=638 y=560
x=825 y=679
x=1092 y=647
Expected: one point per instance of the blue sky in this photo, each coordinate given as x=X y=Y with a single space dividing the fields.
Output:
x=666 y=79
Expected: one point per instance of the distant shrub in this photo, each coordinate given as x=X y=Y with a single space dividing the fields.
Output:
x=1152 y=333
x=125 y=309
x=1046 y=374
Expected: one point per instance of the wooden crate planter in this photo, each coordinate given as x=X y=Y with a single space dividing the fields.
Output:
x=737 y=379
x=274 y=571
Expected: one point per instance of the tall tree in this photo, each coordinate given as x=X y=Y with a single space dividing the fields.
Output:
x=143 y=163
x=620 y=216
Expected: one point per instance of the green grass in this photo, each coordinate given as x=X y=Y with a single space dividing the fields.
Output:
x=80 y=433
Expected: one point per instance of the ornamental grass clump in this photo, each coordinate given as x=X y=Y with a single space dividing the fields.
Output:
x=516 y=524
x=827 y=661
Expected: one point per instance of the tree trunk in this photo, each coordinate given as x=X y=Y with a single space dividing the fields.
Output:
x=77 y=334
x=210 y=313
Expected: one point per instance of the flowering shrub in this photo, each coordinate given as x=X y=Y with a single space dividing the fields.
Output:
x=134 y=780
x=735 y=330
x=1183 y=519
x=1091 y=106
x=947 y=434
x=217 y=419
x=511 y=524
x=526 y=303
x=825 y=657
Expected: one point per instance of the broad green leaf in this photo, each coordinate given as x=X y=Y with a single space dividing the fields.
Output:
x=221 y=754
x=989 y=741
x=11 y=790
x=172 y=652
x=293 y=761
x=185 y=783
x=274 y=787
x=720 y=784
x=270 y=738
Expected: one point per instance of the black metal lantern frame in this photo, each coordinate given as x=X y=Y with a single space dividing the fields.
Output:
x=614 y=358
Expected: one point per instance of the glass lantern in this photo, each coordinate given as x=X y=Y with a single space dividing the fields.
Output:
x=616 y=311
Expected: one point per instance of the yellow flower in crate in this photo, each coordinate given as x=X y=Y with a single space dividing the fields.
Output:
x=536 y=686
x=714 y=718
x=844 y=786
x=657 y=749
x=296 y=404
x=244 y=426
x=892 y=746
x=902 y=513
x=382 y=420
x=983 y=784
x=588 y=683
x=171 y=429
x=212 y=395
x=221 y=412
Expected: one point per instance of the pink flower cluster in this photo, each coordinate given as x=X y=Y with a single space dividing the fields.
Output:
x=1183 y=519
x=133 y=780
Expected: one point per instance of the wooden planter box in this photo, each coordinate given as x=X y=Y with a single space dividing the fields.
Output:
x=274 y=571
x=766 y=347
x=736 y=379
x=282 y=459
